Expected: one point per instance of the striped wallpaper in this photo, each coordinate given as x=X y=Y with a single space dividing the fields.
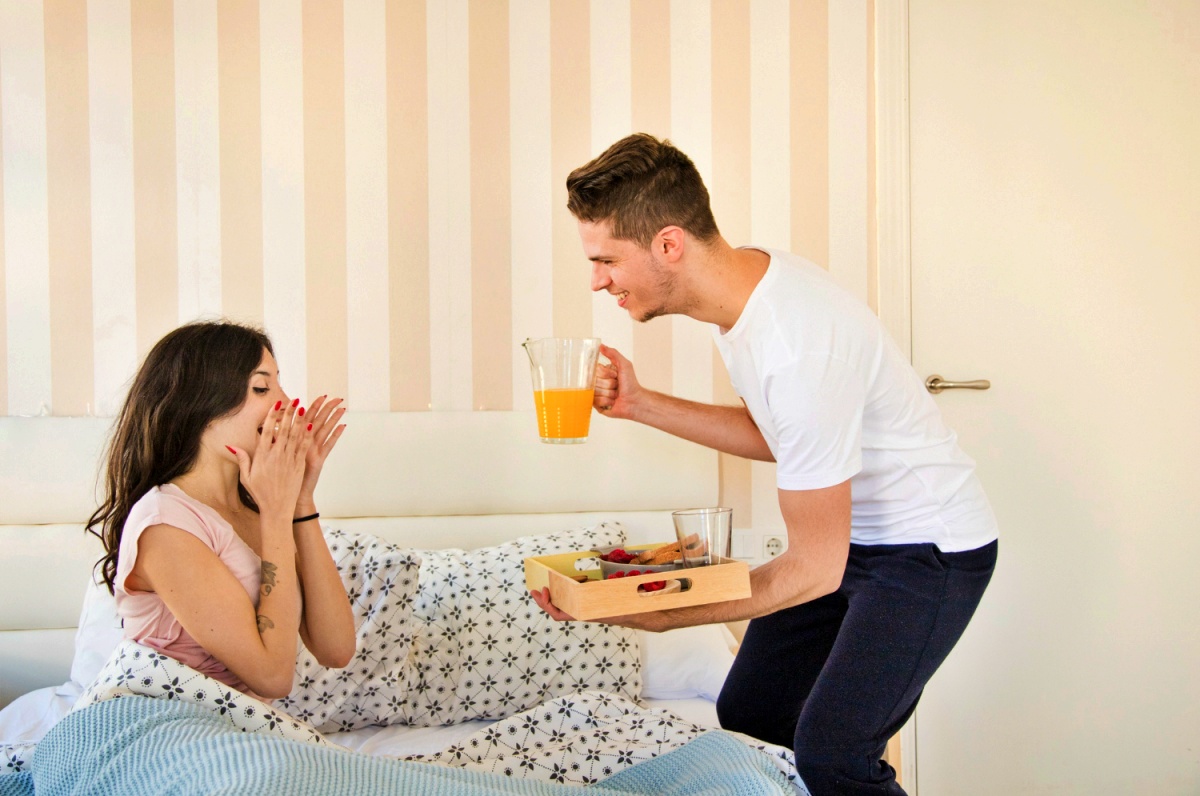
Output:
x=380 y=183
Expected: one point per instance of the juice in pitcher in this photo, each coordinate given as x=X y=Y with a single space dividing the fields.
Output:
x=564 y=372
x=564 y=413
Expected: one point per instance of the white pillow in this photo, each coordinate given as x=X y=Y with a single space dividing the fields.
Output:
x=381 y=581
x=482 y=649
x=685 y=663
x=98 y=634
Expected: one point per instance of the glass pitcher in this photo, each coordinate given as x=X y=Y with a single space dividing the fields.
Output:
x=563 y=371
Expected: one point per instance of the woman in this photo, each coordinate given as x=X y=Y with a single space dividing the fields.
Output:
x=212 y=546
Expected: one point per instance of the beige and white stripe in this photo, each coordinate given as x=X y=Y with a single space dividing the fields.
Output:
x=240 y=159
x=325 y=210
x=491 y=214
x=368 y=339
x=380 y=183
x=197 y=159
x=4 y=355
x=691 y=130
x=68 y=160
x=26 y=222
x=611 y=86
x=408 y=206
x=283 y=192
x=650 y=70
x=110 y=139
x=532 y=186
x=848 y=157
x=450 y=219
x=155 y=175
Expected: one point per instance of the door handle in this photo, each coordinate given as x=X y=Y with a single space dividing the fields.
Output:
x=936 y=384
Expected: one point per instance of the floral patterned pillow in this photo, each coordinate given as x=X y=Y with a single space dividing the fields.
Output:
x=381 y=581
x=482 y=649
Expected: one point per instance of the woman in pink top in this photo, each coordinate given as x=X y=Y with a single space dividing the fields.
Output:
x=212 y=548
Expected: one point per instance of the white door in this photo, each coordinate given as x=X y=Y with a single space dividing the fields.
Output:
x=1055 y=212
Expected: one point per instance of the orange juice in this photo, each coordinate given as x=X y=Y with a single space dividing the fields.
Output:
x=563 y=413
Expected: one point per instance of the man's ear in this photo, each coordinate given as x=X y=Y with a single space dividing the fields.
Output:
x=669 y=243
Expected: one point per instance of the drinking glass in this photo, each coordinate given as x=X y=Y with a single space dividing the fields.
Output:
x=705 y=535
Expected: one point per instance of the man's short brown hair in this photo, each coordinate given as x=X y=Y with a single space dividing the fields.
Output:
x=640 y=185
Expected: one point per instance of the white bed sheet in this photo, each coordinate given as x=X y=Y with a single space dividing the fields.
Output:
x=30 y=716
x=398 y=741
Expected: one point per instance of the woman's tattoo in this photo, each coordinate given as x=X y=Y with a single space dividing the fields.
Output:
x=264 y=623
x=268 y=576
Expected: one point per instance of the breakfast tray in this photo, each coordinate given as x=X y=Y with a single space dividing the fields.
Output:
x=596 y=598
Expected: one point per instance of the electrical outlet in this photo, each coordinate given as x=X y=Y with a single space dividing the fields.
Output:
x=773 y=545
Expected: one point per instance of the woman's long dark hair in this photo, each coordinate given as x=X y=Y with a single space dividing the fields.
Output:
x=194 y=375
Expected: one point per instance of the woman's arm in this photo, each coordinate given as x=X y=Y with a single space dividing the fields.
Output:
x=259 y=646
x=273 y=478
x=326 y=620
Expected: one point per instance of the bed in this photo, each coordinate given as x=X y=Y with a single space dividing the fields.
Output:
x=460 y=685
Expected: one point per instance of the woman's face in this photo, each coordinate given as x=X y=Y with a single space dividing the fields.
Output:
x=241 y=428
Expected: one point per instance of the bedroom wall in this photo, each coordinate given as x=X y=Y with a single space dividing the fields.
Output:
x=380 y=183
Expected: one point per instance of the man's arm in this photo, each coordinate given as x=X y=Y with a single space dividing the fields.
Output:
x=729 y=429
x=818 y=526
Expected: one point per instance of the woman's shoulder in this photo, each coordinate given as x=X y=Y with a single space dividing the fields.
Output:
x=169 y=505
x=159 y=497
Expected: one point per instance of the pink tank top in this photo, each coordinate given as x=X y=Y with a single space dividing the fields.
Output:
x=144 y=615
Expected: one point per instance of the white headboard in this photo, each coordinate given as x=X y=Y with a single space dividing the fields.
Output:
x=420 y=479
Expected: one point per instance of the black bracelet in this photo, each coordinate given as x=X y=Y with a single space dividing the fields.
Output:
x=313 y=516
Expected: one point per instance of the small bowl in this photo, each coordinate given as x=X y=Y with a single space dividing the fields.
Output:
x=609 y=567
x=671 y=587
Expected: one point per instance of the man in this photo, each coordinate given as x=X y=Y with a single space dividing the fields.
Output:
x=891 y=541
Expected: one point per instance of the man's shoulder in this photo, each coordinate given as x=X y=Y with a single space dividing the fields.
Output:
x=791 y=262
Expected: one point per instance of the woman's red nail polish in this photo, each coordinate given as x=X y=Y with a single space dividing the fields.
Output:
x=301 y=412
x=277 y=405
x=295 y=403
x=231 y=450
x=309 y=427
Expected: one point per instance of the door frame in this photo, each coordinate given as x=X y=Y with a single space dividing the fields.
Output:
x=893 y=229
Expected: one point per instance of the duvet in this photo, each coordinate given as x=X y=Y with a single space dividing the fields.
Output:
x=152 y=725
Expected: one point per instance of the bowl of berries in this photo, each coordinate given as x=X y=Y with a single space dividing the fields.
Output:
x=619 y=562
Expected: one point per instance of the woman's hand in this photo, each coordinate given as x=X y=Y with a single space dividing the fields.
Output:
x=275 y=472
x=324 y=415
x=616 y=387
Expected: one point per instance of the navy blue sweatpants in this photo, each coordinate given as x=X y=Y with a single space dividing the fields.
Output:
x=835 y=678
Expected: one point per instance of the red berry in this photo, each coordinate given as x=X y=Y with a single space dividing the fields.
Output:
x=633 y=572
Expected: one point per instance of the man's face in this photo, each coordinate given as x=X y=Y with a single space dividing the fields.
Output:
x=642 y=284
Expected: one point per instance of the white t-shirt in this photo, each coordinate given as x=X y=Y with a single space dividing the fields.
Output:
x=835 y=399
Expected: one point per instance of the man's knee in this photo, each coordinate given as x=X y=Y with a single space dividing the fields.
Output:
x=755 y=717
x=729 y=712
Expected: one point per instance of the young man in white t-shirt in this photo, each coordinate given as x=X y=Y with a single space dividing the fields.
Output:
x=891 y=541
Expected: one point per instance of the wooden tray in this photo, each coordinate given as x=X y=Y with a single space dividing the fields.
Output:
x=596 y=598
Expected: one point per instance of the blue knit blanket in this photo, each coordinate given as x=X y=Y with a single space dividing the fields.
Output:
x=135 y=745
